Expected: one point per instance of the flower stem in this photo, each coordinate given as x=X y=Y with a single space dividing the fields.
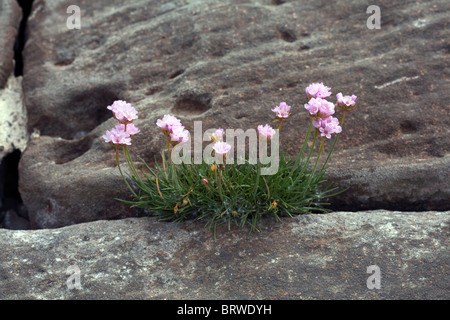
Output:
x=329 y=154
x=318 y=155
x=130 y=162
x=317 y=161
x=172 y=168
x=342 y=118
x=302 y=150
x=168 y=148
x=281 y=122
x=219 y=183
x=164 y=163
x=261 y=150
x=121 y=173
x=310 y=152
x=341 y=122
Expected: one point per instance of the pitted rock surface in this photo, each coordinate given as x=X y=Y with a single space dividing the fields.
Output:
x=307 y=257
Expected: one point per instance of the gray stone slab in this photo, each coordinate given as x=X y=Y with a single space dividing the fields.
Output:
x=308 y=257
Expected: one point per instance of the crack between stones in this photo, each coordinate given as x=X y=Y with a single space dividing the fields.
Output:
x=13 y=213
x=26 y=6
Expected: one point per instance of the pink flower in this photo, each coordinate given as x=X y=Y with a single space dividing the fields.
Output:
x=217 y=135
x=346 y=102
x=321 y=122
x=266 y=131
x=327 y=126
x=131 y=128
x=179 y=135
x=117 y=136
x=326 y=131
x=312 y=106
x=219 y=132
x=168 y=123
x=320 y=108
x=117 y=105
x=221 y=148
x=282 y=111
x=317 y=90
x=123 y=111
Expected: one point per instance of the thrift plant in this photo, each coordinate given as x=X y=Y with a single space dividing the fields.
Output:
x=221 y=191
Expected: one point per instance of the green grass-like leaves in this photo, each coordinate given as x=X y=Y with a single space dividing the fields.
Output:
x=233 y=193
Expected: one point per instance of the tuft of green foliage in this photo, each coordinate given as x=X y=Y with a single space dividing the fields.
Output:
x=232 y=193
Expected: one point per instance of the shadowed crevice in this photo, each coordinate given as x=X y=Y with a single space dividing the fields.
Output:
x=26 y=6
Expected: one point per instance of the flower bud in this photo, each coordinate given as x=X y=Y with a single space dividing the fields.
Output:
x=282 y=111
x=205 y=182
x=213 y=167
x=273 y=205
x=266 y=131
x=217 y=135
x=346 y=102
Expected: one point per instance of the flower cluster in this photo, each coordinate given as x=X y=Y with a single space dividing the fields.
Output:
x=179 y=135
x=346 y=102
x=317 y=90
x=266 y=131
x=122 y=133
x=123 y=111
x=327 y=126
x=221 y=148
x=282 y=111
x=322 y=110
x=173 y=129
x=218 y=135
